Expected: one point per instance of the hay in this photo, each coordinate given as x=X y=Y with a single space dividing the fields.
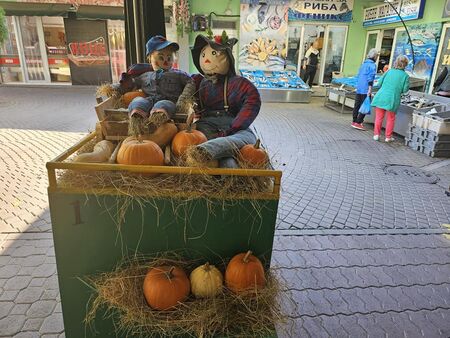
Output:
x=136 y=126
x=119 y=293
x=157 y=119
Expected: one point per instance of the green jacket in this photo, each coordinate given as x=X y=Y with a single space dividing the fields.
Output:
x=393 y=83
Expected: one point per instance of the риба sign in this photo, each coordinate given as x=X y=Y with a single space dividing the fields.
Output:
x=321 y=10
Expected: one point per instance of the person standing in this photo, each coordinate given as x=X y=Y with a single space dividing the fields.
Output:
x=387 y=100
x=366 y=76
x=311 y=62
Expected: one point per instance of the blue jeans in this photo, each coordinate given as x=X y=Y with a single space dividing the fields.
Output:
x=224 y=148
x=144 y=105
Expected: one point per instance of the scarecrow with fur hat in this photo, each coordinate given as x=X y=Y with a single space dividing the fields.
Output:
x=228 y=103
x=167 y=90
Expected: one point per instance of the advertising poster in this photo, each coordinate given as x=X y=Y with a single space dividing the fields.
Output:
x=425 y=41
x=88 y=52
x=263 y=36
x=321 y=10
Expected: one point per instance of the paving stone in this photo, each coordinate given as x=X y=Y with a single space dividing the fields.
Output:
x=26 y=335
x=17 y=283
x=5 y=308
x=8 y=271
x=52 y=324
x=33 y=324
x=8 y=295
x=29 y=295
x=11 y=325
x=45 y=270
x=41 y=309
x=20 y=309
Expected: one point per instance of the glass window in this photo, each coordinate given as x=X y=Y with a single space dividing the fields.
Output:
x=335 y=51
x=32 y=48
x=116 y=36
x=55 y=45
x=10 y=70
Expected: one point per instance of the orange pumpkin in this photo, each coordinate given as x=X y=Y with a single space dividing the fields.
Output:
x=138 y=152
x=254 y=156
x=185 y=139
x=129 y=96
x=245 y=273
x=165 y=287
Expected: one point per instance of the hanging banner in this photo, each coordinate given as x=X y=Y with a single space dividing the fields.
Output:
x=425 y=41
x=446 y=12
x=321 y=10
x=88 y=52
x=384 y=13
x=263 y=37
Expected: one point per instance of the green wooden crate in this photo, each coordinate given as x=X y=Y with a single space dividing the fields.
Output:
x=88 y=241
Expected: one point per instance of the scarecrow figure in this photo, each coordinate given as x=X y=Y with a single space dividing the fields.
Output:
x=167 y=90
x=228 y=103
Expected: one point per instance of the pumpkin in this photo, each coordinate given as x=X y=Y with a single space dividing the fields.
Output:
x=165 y=287
x=161 y=136
x=254 y=156
x=206 y=281
x=244 y=273
x=186 y=138
x=101 y=153
x=129 y=96
x=140 y=152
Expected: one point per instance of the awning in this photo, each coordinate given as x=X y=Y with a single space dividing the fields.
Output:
x=34 y=9
x=45 y=9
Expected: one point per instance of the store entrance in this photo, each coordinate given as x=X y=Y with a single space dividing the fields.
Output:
x=331 y=40
x=383 y=41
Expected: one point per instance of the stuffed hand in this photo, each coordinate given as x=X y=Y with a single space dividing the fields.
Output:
x=186 y=99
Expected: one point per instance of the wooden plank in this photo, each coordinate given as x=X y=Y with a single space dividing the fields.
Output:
x=100 y=108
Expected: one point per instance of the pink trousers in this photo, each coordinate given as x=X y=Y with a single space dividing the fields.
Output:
x=390 y=121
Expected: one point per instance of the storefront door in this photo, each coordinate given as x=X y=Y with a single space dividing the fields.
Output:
x=383 y=42
x=332 y=40
x=372 y=41
x=32 y=49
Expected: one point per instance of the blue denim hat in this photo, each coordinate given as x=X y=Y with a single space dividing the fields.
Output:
x=159 y=42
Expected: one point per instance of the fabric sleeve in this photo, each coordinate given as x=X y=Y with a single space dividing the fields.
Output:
x=307 y=54
x=381 y=80
x=406 y=85
x=371 y=75
x=249 y=110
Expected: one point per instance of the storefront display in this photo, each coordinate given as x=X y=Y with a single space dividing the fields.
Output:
x=275 y=79
x=263 y=36
x=424 y=39
x=10 y=67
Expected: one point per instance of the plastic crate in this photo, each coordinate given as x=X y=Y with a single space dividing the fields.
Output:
x=438 y=122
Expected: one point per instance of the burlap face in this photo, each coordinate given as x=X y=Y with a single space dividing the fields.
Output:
x=162 y=59
x=214 y=61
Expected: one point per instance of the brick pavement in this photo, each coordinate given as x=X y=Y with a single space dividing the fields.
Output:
x=359 y=259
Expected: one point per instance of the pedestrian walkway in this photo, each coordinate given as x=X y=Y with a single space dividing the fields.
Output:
x=359 y=242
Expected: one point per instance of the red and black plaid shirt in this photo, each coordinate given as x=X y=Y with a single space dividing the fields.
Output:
x=243 y=99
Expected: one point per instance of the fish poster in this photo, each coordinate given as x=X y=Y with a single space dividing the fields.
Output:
x=263 y=36
x=425 y=42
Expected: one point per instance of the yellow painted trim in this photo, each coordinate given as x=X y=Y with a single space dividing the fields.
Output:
x=58 y=163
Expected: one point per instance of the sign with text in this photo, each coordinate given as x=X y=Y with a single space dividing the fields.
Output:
x=321 y=10
x=384 y=13
x=88 y=51
x=444 y=59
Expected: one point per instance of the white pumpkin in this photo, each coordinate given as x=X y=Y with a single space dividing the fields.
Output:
x=206 y=281
x=101 y=153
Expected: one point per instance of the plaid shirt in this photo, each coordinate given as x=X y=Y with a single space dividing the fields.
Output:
x=243 y=99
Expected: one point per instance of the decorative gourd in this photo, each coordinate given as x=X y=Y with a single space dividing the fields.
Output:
x=206 y=281
x=185 y=139
x=244 y=273
x=129 y=96
x=101 y=153
x=139 y=152
x=165 y=286
x=254 y=156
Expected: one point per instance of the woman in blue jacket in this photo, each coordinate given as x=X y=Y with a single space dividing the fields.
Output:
x=393 y=84
x=366 y=76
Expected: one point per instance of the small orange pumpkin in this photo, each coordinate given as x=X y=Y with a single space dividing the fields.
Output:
x=129 y=96
x=166 y=286
x=254 y=156
x=140 y=152
x=245 y=273
x=185 y=139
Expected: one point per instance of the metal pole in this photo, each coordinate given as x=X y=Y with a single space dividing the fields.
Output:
x=406 y=29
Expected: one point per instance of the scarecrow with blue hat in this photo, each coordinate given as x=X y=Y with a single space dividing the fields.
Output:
x=167 y=90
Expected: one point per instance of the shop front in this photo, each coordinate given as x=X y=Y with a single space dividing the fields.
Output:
x=43 y=46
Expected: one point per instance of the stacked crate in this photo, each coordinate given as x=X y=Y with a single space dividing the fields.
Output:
x=430 y=133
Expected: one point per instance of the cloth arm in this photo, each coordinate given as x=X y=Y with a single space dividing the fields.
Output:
x=248 y=111
x=371 y=76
